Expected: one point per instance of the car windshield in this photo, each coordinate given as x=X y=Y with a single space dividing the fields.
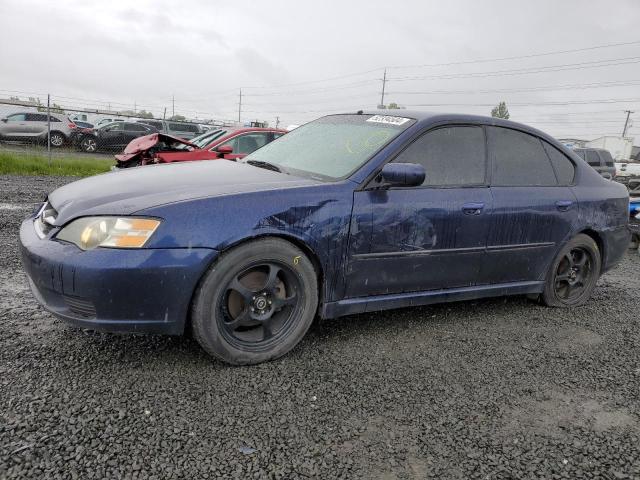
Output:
x=331 y=147
x=206 y=138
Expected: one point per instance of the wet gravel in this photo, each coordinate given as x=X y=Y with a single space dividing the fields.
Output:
x=490 y=389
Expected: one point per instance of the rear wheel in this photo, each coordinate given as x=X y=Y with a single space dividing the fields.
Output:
x=256 y=303
x=89 y=145
x=573 y=274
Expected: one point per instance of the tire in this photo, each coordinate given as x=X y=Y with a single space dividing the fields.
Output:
x=57 y=139
x=256 y=302
x=89 y=144
x=573 y=273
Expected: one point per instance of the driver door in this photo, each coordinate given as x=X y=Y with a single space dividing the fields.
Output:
x=429 y=237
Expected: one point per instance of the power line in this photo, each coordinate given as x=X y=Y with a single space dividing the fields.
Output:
x=526 y=89
x=527 y=70
x=519 y=57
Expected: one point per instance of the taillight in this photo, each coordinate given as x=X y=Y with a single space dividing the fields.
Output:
x=72 y=126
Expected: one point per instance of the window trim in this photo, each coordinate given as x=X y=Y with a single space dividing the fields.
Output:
x=537 y=137
x=369 y=184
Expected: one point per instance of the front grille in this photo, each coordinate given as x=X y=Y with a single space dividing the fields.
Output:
x=44 y=221
x=82 y=308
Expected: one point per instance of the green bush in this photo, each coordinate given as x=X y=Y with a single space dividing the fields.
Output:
x=33 y=164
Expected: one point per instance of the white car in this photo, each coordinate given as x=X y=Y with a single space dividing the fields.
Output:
x=32 y=126
x=627 y=169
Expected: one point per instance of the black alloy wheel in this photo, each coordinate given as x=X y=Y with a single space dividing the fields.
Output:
x=256 y=302
x=259 y=304
x=573 y=274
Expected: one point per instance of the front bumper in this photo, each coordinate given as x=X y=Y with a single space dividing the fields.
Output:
x=116 y=290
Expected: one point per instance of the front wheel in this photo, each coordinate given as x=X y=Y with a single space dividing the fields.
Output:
x=256 y=303
x=57 y=139
x=573 y=274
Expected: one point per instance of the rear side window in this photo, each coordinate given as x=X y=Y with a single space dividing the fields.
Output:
x=606 y=157
x=134 y=127
x=37 y=117
x=451 y=156
x=157 y=125
x=593 y=158
x=565 y=170
x=518 y=159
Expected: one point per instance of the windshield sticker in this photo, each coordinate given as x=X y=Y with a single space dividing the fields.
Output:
x=388 y=119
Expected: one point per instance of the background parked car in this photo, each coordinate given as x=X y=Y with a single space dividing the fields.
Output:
x=115 y=135
x=227 y=143
x=600 y=159
x=176 y=129
x=31 y=126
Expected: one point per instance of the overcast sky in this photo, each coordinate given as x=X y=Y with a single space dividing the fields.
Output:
x=299 y=59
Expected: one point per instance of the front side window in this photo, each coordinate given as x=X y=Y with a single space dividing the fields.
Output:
x=16 y=117
x=450 y=156
x=332 y=147
x=247 y=143
x=518 y=159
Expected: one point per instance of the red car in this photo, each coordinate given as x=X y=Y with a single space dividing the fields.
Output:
x=224 y=142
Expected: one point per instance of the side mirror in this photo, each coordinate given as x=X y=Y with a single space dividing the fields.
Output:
x=401 y=175
x=224 y=149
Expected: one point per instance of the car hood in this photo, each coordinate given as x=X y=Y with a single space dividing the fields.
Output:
x=124 y=192
x=147 y=142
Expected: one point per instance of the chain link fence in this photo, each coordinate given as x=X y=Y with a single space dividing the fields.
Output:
x=49 y=128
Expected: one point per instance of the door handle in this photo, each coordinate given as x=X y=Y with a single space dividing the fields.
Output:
x=563 y=205
x=472 y=208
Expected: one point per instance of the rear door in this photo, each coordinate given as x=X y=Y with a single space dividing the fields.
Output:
x=533 y=205
x=133 y=131
x=428 y=237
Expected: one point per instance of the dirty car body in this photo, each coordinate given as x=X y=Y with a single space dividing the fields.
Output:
x=163 y=148
x=373 y=245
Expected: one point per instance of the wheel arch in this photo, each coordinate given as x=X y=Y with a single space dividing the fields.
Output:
x=598 y=239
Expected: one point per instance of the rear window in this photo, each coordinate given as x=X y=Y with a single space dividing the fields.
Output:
x=593 y=158
x=606 y=158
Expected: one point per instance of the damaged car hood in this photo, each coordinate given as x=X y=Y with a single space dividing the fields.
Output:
x=124 y=192
x=140 y=145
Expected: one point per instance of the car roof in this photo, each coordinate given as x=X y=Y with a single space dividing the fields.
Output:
x=427 y=118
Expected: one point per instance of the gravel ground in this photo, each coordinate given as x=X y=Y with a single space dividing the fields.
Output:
x=500 y=388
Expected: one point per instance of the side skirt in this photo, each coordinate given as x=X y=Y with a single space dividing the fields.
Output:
x=352 y=306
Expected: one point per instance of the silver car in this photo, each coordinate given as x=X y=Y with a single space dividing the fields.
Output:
x=33 y=126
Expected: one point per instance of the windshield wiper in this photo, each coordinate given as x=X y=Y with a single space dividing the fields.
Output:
x=266 y=165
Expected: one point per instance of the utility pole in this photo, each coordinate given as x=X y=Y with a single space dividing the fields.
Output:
x=240 y=106
x=164 y=115
x=173 y=105
x=134 y=106
x=48 y=128
x=626 y=123
x=277 y=121
x=384 y=82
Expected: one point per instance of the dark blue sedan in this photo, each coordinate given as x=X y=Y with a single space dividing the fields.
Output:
x=347 y=214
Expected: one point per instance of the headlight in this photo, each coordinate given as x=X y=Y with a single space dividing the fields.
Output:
x=117 y=232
